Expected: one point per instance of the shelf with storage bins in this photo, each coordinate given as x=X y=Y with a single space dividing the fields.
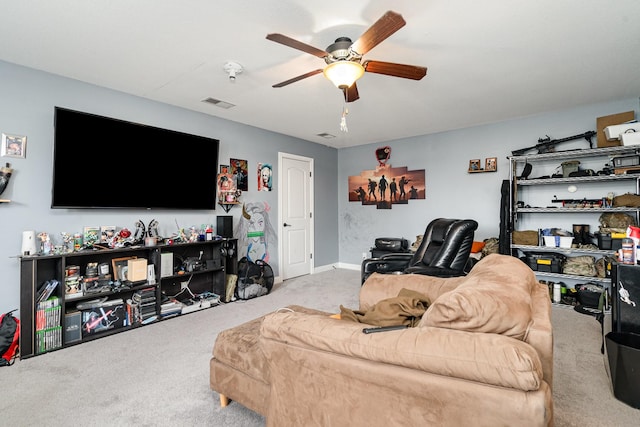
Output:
x=532 y=201
x=568 y=252
x=207 y=276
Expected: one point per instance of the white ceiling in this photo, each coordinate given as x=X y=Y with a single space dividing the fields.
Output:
x=487 y=60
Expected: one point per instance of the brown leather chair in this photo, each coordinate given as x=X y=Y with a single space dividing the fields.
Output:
x=444 y=252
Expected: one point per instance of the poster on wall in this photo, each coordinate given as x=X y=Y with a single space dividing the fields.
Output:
x=265 y=176
x=240 y=172
x=256 y=235
x=386 y=186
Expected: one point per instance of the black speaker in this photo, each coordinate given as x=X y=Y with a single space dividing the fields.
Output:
x=224 y=226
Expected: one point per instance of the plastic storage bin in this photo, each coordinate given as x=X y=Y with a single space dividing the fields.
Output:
x=548 y=262
x=606 y=242
x=623 y=352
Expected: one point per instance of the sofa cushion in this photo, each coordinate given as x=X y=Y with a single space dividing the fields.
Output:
x=495 y=297
x=486 y=358
x=238 y=347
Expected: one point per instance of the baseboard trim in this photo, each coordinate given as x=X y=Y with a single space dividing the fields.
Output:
x=321 y=269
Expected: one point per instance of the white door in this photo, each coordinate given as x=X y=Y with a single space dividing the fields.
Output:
x=295 y=199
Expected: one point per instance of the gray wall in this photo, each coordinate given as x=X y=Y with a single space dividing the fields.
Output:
x=28 y=100
x=347 y=229
x=451 y=190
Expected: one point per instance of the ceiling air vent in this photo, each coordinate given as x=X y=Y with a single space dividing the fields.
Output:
x=219 y=103
x=326 y=135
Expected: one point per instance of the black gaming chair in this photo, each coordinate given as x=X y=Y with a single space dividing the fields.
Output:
x=444 y=252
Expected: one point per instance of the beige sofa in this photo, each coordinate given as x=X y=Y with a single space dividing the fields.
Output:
x=481 y=355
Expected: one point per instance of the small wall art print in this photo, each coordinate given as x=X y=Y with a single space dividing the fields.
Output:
x=13 y=146
x=265 y=177
x=240 y=172
x=387 y=186
x=474 y=165
x=491 y=164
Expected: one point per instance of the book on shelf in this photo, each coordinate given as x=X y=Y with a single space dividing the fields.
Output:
x=170 y=303
x=150 y=319
x=171 y=313
x=47 y=289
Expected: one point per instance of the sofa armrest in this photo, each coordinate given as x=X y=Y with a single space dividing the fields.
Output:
x=382 y=286
x=485 y=358
x=540 y=334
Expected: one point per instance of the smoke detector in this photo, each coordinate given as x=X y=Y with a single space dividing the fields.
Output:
x=232 y=68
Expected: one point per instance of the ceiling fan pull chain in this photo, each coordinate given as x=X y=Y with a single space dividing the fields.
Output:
x=343 y=120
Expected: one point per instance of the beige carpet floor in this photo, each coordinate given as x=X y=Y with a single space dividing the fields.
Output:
x=158 y=375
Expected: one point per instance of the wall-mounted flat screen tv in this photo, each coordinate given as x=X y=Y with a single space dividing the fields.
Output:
x=101 y=162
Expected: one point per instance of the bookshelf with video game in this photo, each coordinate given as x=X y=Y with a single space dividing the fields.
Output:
x=67 y=299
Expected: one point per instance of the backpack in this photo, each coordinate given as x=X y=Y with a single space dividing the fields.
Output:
x=9 y=335
x=254 y=279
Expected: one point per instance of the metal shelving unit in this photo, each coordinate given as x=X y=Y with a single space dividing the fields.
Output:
x=517 y=211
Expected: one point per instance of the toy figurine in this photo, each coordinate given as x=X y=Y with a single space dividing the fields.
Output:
x=45 y=243
x=67 y=240
x=123 y=238
x=193 y=237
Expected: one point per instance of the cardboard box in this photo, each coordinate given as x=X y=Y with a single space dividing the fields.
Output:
x=137 y=269
x=72 y=325
x=166 y=264
x=103 y=317
x=614 y=119
x=630 y=138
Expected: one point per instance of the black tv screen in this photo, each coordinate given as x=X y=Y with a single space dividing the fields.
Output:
x=101 y=162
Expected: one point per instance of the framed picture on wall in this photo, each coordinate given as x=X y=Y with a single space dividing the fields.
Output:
x=491 y=163
x=474 y=165
x=240 y=173
x=13 y=146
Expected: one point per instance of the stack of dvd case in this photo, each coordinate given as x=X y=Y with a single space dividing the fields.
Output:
x=144 y=306
x=48 y=329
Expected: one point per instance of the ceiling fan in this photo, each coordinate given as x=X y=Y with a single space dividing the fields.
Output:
x=344 y=57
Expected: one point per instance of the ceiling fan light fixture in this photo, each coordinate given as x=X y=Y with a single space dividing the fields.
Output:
x=343 y=73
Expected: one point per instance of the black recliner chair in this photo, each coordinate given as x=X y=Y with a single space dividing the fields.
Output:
x=444 y=252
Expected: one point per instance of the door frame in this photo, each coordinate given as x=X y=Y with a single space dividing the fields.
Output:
x=281 y=199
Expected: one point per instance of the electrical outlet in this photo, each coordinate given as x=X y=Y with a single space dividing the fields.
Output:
x=364 y=255
x=183 y=285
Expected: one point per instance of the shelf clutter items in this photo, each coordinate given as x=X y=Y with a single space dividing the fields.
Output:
x=570 y=211
x=71 y=298
x=48 y=309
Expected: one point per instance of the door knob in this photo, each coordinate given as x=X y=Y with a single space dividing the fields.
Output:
x=287 y=225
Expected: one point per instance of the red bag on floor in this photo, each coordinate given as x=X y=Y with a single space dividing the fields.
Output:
x=9 y=338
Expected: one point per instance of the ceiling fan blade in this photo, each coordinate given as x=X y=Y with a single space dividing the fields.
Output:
x=413 y=72
x=378 y=32
x=288 y=41
x=295 y=79
x=351 y=93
